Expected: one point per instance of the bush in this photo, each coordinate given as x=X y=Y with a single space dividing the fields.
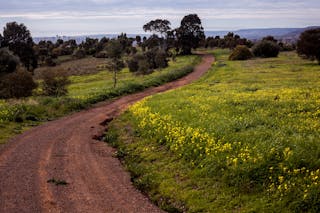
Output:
x=17 y=84
x=266 y=49
x=161 y=59
x=101 y=54
x=79 y=53
x=54 y=83
x=8 y=61
x=241 y=52
x=144 y=67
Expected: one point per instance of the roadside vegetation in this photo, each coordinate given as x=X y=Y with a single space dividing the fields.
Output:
x=83 y=91
x=244 y=138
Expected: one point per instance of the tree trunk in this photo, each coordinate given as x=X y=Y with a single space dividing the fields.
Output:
x=114 y=79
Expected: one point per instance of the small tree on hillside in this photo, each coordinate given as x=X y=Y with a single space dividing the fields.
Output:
x=309 y=44
x=115 y=63
x=190 y=33
x=18 y=38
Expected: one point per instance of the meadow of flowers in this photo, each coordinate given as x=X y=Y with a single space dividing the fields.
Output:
x=248 y=132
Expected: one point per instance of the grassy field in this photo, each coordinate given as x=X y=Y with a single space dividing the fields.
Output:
x=84 y=90
x=245 y=138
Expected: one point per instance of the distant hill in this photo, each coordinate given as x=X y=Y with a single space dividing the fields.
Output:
x=284 y=34
x=81 y=38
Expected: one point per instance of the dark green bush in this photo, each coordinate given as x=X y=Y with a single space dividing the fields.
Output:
x=17 y=84
x=54 y=83
x=79 y=53
x=266 y=49
x=241 y=52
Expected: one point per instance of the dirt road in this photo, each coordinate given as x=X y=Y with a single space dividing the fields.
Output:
x=64 y=151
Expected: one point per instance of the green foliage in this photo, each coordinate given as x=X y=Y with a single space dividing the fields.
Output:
x=190 y=33
x=244 y=138
x=18 y=38
x=54 y=83
x=8 y=62
x=240 y=53
x=79 y=53
x=17 y=84
x=83 y=91
x=266 y=49
x=309 y=45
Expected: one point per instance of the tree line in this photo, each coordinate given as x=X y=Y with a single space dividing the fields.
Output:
x=19 y=55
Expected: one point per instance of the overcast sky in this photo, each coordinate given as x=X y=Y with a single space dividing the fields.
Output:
x=78 y=17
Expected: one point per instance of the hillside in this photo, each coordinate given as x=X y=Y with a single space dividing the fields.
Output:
x=287 y=34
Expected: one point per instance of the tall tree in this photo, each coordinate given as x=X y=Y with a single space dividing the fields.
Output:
x=190 y=33
x=159 y=26
x=18 y=38
x=1 y=40
x=309 y=44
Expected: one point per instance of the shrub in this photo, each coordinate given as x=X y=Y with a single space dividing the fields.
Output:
x=101 y=54
x=79 y=53
x=241 y=52
x=144 y=67
x=8 y=61
x=17 y=84
x=54 y=83
x=161 y=59
x=266 y=49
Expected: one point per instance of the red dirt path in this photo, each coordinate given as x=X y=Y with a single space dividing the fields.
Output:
x=64 y=150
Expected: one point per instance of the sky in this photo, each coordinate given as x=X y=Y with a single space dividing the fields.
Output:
x=87 y=17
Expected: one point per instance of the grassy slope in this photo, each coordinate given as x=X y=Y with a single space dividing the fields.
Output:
x=19 y=115
x=244 y=138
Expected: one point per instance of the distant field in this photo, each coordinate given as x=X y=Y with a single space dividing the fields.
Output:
x=85 y=66
x=245 y=138
x=84 y=90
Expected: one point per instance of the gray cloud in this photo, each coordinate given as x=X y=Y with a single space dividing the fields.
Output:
x=87 y=16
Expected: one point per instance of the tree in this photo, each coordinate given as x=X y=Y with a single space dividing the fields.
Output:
x=115 y=63
x=190 y=33
x=161 y=26
x=309 y=44
x=266 y=49
x=8 y=62
x=1 y=40
x=270 y=38
x=18 y=38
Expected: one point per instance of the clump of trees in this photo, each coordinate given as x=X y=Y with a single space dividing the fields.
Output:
x=230 y=41
x=309 y=44
x=17 y=58
x=241 y=52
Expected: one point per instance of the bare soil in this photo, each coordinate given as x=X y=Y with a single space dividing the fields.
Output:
x=61 y=167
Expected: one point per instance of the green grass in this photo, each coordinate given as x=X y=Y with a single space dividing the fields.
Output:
x=85 y=90
x=245 y=138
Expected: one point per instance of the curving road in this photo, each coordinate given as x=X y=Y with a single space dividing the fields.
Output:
x=64 y=150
